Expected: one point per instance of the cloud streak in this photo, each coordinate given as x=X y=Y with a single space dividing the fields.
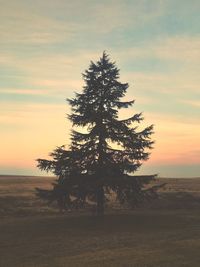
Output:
x=20 y=25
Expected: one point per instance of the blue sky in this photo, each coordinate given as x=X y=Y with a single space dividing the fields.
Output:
x=46 y=45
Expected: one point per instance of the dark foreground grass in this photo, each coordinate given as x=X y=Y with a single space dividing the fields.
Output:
x=138 y=239
x=165 y=233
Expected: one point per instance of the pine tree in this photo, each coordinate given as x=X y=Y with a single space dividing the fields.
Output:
x=105 y=151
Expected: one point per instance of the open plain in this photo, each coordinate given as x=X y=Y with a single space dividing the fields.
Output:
x=162 y=233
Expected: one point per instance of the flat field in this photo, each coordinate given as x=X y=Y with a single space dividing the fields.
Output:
x=163 y=233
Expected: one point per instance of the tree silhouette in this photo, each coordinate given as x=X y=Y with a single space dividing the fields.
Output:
x=105 y=151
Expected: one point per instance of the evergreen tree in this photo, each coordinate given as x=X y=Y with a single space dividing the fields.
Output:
x=105 y=151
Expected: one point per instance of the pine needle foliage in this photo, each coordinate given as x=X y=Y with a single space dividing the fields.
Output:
x=105 y=150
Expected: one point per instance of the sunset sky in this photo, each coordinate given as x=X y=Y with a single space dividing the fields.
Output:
x=45 y=45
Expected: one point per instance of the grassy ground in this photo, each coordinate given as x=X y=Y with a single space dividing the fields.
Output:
x=165 y=233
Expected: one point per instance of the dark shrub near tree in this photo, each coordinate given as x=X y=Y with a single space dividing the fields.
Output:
x=105 y=151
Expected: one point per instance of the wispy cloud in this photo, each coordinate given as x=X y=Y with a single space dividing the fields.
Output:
x=181 y=48
x=20 y=24
x=192 y=103
x=16 y=91
x=23 y=23
x=124 y=15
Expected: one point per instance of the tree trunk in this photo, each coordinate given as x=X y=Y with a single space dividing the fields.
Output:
x=100 y=201
x=100 y=190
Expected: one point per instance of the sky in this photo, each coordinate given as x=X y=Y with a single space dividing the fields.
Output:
x=46 y=45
